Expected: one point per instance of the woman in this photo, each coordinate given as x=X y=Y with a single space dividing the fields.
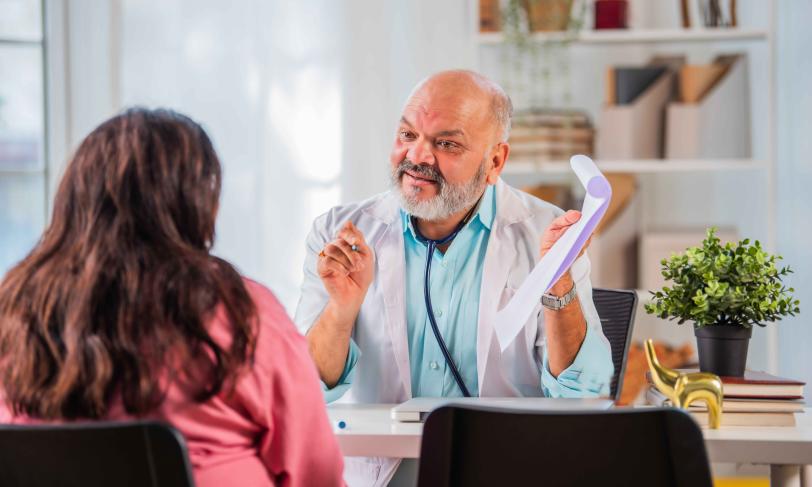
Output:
x=121 y=311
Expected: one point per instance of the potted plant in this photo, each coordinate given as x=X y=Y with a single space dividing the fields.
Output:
x=723 y=290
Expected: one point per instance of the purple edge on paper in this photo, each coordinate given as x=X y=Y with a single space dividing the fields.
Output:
x=598 y=187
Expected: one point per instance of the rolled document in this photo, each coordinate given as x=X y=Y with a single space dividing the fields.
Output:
x=511 y=319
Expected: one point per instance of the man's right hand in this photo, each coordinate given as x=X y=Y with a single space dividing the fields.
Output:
x=347 y=273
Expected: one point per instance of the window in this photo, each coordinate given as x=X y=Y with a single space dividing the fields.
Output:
x=22 y=129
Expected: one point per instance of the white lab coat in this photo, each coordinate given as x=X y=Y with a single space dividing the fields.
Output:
x=383 y=373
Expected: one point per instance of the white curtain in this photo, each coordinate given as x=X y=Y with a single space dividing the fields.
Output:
x=300 y=98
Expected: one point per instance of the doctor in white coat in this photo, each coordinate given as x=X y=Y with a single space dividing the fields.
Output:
x=363 y=307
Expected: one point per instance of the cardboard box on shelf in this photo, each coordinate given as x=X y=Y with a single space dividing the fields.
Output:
x=717 y=124
x=634 y=130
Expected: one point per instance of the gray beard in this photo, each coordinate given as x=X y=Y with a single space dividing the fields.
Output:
x=452 y=198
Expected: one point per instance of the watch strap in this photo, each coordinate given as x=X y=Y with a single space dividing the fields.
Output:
x=557 y=303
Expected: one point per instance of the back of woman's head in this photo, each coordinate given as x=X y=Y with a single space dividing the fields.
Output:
x=119 y=290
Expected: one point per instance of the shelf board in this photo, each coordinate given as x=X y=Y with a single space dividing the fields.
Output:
x=20 y=41
x=638 y=166
x=633 y=36
x=20 y=171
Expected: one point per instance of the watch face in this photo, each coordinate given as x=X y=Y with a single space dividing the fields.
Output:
x=555 y=302
x=550 y=302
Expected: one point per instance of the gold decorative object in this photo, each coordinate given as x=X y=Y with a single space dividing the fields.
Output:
x=684 y=388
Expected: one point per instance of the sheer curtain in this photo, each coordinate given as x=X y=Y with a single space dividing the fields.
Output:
x=300 y=99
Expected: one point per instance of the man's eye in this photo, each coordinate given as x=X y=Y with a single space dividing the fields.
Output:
x=405 y=134
x=446 y=144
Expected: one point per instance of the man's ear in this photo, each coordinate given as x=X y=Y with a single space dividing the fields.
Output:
x=498 y=158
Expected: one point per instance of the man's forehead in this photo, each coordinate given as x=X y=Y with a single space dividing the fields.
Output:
x=460 y=111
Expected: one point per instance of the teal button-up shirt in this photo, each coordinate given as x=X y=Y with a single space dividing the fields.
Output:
x=456 y=279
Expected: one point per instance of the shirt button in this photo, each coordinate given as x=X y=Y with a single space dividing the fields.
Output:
x=433 y=364
x=440 y=313
x=444 y=264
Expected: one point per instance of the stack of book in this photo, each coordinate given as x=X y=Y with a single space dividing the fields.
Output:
x=757 y=399
x=550 y=135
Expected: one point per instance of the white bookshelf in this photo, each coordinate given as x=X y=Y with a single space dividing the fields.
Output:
x=521 y=167
x=635 y=36
x=735 y=185
x=22 y=171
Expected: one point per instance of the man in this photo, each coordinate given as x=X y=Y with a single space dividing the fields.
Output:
x=363 y=306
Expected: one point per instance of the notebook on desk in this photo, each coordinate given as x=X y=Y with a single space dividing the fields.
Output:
x=418 y=408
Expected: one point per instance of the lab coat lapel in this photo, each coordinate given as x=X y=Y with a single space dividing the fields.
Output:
x=499 y=259
x=391 y=262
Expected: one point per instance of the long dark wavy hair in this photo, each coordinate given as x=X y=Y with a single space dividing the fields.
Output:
x=115 y=298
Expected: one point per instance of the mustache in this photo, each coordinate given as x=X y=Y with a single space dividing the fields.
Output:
x=422 y=170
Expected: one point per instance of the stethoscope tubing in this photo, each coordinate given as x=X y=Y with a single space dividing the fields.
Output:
x=430 y=246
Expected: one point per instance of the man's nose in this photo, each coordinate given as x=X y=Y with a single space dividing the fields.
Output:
x=420 y=152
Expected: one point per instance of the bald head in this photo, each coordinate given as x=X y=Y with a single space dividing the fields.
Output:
x=475 y=88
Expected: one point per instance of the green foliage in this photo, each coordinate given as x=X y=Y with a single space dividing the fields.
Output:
x=731 y=284
x=533 y=65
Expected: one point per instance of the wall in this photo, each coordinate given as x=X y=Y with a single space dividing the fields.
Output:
x=794 y=197
x=300 y=98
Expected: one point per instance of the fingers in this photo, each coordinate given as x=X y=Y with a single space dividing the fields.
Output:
x=347 y=253
x=557 y=229
x=561 y=224
x=339 y=251
x=565 y=220
x=352 y=236
x=327 y=265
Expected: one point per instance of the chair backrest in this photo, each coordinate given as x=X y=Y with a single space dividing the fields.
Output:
x=473 y=446
x=144 y=454
x=616 y=309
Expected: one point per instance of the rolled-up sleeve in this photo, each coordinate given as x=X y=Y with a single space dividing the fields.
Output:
x=590 y=373
x=345 y=380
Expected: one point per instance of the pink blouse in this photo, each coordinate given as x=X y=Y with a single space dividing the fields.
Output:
x=272 y=430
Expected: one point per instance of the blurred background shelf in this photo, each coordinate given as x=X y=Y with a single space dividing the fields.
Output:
x=636 y=166
x=632 y=36
x=22 y=171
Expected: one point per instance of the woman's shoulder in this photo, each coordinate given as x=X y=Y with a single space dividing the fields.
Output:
x=263 y=298
x=275 y=329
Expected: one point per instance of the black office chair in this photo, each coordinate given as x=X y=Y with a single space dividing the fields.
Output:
x=616 y=309
x=477 y=446
x=137 y=454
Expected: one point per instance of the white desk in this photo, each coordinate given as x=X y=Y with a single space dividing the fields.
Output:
x=371 y=432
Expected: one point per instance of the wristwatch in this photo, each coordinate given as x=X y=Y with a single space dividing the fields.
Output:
x=556 y=303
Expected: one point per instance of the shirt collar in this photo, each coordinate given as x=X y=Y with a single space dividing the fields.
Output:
x=485 y=213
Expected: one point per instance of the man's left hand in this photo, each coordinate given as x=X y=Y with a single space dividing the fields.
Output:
x=551 y=236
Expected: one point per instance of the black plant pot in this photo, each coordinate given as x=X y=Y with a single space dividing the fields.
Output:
x=723 y=349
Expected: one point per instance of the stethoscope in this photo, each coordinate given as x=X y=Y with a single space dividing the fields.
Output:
x=430 y=246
